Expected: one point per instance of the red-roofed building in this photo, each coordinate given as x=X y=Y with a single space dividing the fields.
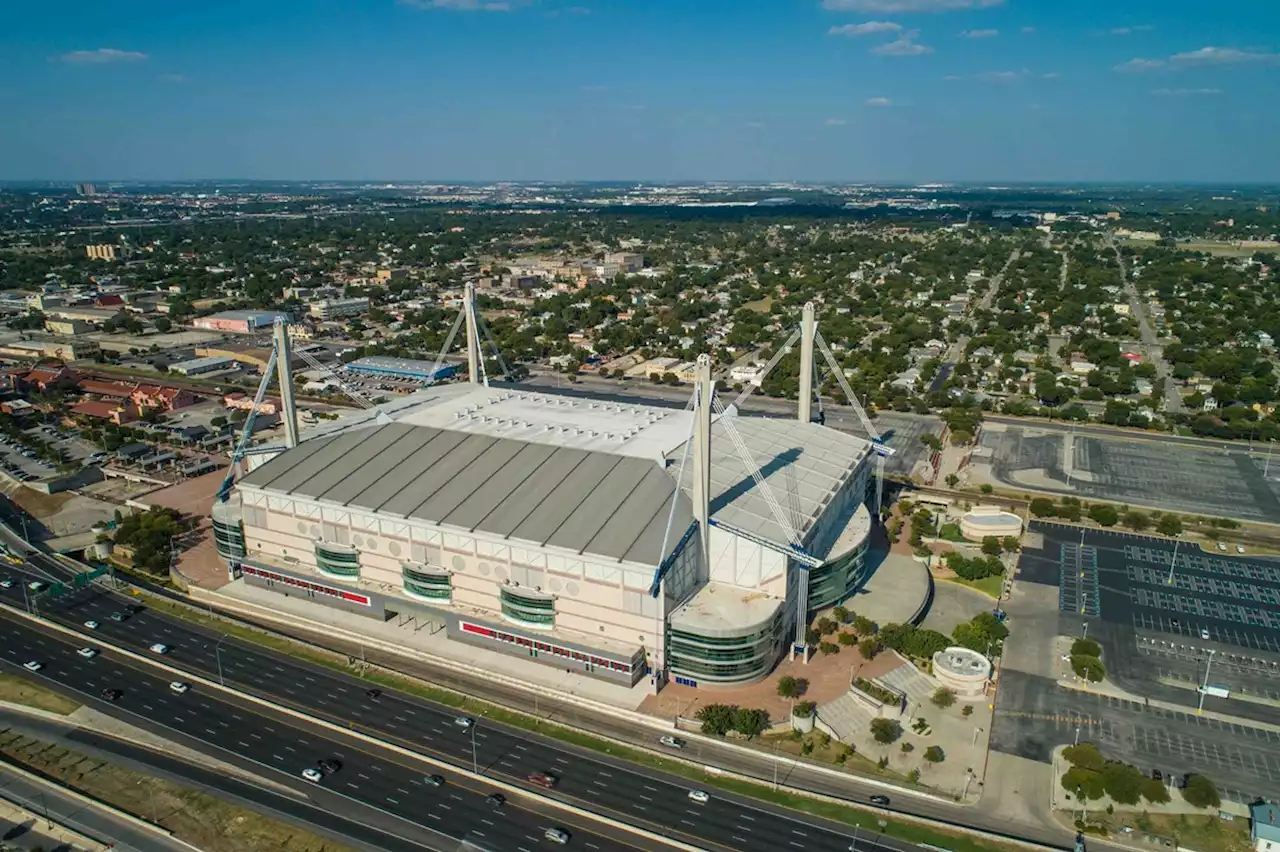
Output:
x=109 y=300
x=116 y=390
x=100 y=410
x=44 y=376
x=166 y=399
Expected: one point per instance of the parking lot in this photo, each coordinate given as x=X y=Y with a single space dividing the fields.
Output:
x=22 y=463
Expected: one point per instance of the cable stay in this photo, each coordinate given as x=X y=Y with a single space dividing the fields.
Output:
x=765 y=491
x=882 y=451
x=224 y=490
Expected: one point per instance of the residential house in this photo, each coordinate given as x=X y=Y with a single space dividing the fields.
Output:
x=1264 y=827
x=113 y=412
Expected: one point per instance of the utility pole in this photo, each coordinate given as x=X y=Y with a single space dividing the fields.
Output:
x=1266 y=467
x=1168 y=581
x=475 y=763
x=775 y=766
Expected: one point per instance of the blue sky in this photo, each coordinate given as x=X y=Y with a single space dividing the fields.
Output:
x=960 y=90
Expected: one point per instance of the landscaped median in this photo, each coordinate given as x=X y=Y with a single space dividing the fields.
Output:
x=911 y=829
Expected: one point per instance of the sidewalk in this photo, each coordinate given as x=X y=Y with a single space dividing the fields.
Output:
x=39 y=833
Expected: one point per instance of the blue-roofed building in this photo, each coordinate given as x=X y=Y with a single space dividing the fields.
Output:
x=1265 y=828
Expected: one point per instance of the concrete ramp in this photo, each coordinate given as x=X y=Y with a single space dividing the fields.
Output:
x=847 y=716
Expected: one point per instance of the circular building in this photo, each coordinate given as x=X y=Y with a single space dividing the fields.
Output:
x=982 y=521
x=963 y=671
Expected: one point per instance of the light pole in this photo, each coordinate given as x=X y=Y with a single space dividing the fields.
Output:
x=1077 y=740
x=1086 y=629
x=217 y=654
x=1271 y=442
x=475 y=763
x=1168 y=581
x=1205 y=685
x=775 y=765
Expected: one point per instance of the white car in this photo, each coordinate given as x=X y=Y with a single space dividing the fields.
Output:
x=33 y=665
x=464 y=721
x=1204 y=633
x=671 y=742
x=1239 y=548
x=91 y=624
x=556 y=835
x=6 y=583
x=312 y=775
x=1222 y=547
x=159 y=648
x=699 y=796
x=179 y=687
x=88 y=653
x=36 y=585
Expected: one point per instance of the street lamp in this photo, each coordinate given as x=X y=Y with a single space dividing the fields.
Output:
x=217 y=654
x=1205 y=685
x=1169 y=580
x=475 y=763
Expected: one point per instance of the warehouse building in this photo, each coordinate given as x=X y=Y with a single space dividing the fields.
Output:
x=617 y=540
x=401 y=368
x=239 y=322
x=198 y=366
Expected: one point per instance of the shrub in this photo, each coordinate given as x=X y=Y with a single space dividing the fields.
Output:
x=1043 y=507
x=826 y=626
x=864 y=626
x=913 y=776
x=803 y=709
x=991 y=545
x=966 y=711
x=913 y=641
x=829 y=648
x=719 y=719
x=943 y=697
x=907 y=748
x=841 y=615
x=885 y=731
x=875 y=690
x=846 y=639
x=934 y=754
x=869 y=647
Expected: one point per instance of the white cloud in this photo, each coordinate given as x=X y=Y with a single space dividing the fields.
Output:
x=905 y=45
x=891 y=7
x=952 y=77
x=1224 y=56
x=754 y=125
x=869 y=28
x=879 y=102
x=1027 y=30
x=1050 y=75
x=1123 y=31
x=175 y=78
x=979 y=33
x=1183 y=92
x=999 y=76
x=835 y=122
x=101 y=56
x=464 y=5
x=1136 y=66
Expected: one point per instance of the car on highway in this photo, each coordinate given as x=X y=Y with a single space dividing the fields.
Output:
x=6 y=583
x=329 y=765
x=882 y=801
x=434 y=780
x=119 y=617
x=91 y=624
x=178 y=687
x=556 y=835
x=36 y=585
x=464 y=721
x=12 y=560
x=543 y=779
x=33 y=665
x=671 y=742
x=1204 y=633
x=111 y=694
x=312 y=775
x=1239 y=548
x=496 y=799
x=375 y=693
x=699 y=796
x=88 y=653
x=159 y=648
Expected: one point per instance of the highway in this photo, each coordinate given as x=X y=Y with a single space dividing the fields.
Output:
x=638 y=796
x=282 y=747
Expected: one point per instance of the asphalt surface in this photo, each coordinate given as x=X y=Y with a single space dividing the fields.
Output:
x=283 y=747
x=615 y=788
x=316 y=809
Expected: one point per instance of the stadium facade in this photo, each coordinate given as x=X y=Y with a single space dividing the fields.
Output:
x=620 y=540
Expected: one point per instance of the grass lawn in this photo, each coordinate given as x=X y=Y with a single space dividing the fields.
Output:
x=202 y=820
x=18 y=690
x=760 y=306
x=989 y=586
x=851 y=816
x=1202 y=832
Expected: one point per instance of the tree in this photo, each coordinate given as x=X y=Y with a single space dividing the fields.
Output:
x=1104 y=515
x=1070 y=512
x=868 y=648
x=716 y=719
x=1136 y=521
x=943 y=697
x=966 y=711
x=162 y=324
x=1155 y=791
x=885 y=731
x=841 y=614
x=789 y=688
x=1043 y=507
x=1089 y=668
x=864 y=626
x=829 y=648
x=826 y=626
x=1087 y=647
x=1122 y=782
x=1084 y=784
x=750 y=722
x=1085 y=756
x=1201 y=793
x=846 y=639
x=934 y=754
x=931 y=441
x=812 y=637
x=991 y=545
x=1170 y=525
x=1010 y=543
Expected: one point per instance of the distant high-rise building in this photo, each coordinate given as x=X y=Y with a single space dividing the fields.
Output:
x=86 y=189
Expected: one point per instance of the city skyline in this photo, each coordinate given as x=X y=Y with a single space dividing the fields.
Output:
x=468 y=90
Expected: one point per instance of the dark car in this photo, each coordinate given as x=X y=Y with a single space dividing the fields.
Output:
x=497 y=800
x=435 y=780
x=119 y=616
x=329 y=765
x=373 y=693
x=111 y=694
x=882 y=801
x=1156 y=775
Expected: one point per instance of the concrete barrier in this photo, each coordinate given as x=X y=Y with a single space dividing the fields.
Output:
x=193 y=677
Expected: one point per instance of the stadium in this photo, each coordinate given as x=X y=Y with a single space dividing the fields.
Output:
x=618 y=540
